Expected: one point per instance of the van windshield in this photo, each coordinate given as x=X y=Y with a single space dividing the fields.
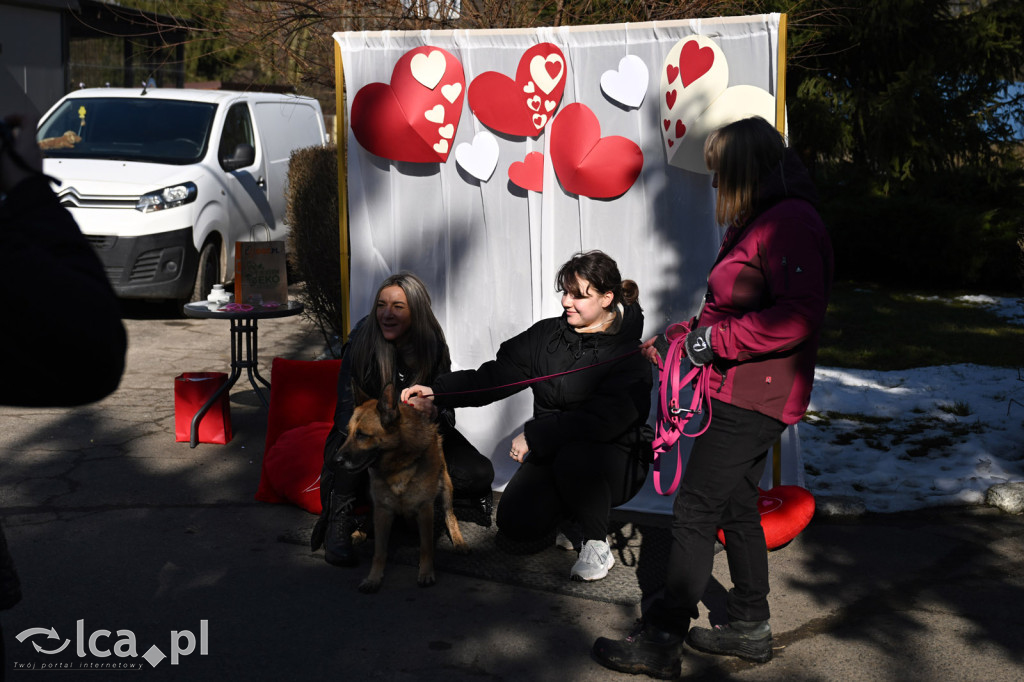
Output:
x=130 y=129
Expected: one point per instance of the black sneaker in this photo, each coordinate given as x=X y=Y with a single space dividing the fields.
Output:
x=647 y=650
x=750 y=640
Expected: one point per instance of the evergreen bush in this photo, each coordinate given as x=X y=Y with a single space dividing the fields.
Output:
x=313 y=238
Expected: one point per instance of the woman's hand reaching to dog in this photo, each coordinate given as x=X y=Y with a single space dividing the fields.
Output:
x=519 y=448
x=421 y=398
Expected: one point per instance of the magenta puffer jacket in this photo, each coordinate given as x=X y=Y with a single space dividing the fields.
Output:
x=766 y=299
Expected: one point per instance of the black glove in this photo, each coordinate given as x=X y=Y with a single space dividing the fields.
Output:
x=698 y=346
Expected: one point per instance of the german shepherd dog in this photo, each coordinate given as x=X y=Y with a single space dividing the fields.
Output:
x=402 y=450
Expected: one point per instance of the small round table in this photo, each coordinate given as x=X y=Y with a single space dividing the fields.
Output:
x=244 y=345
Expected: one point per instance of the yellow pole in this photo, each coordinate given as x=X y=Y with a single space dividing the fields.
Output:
x=780 y=90
x=780 y=125
x=341 y=136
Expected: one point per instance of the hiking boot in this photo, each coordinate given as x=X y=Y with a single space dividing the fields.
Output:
x=751 y=640
x=341 y=523
x=595 y=560
x=647 y=650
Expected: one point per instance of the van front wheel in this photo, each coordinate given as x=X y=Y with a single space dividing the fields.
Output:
x=208 y=272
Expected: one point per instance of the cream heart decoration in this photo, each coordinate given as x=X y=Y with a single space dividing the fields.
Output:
x=696 y=100
x=534 y=103
x=529 y=88
x=539 y=120
x=480 y=157
x=446 y=131
x=547 y=71
x=441 y=147
x=549 y=105
x=428 y=69
x=451 y=91
x=435 y=115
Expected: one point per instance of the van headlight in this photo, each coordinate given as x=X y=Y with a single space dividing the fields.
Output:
x=168 y=197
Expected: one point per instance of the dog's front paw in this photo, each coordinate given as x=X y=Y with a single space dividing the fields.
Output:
x=426 y=579
x=370 y=586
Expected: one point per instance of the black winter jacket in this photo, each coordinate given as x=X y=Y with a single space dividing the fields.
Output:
x=608 y=402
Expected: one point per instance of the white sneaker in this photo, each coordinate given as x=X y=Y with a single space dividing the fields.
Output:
x=563 y=542
x=595 y=560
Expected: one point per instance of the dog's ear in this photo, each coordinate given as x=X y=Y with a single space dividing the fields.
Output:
x=358 y=395
x=387 y=406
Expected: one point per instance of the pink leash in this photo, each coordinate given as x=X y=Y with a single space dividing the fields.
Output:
x=672 y=419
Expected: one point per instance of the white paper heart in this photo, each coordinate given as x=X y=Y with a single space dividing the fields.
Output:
x=428 y=69
x=539 y=71
x=435 y=115
x=451 y=91
x=627 y=85
x=479 y=158
x=446 y=131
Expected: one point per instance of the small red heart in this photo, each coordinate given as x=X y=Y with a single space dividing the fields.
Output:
x=586 y=163
x=671 y=143
x=528 y=173
x=694 y=62
x=667 y=123
x=670 y=99
x=680 y=129
x=553 y=69
x=671 y=72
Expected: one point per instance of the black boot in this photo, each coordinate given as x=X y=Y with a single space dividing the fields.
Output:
x=647 y=650
x=334 y=530
x=750 y=640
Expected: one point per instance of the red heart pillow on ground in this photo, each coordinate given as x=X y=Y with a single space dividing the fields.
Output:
x=415 y=117
x=292 y=466
x=785 y=511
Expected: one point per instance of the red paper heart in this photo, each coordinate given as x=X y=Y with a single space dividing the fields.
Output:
x=680 y=129
x=667 y=123
x=670 y=99
x=586 y=163
x=671 y=72
x=694 y=62
x=415 y=117
x=528 y=173
x=504 y=105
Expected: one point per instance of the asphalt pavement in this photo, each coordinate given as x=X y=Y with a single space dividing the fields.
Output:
x=140 y=554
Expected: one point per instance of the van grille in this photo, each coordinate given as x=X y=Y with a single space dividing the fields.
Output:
x=71 y=198
x=101 y=242
x=145 y=266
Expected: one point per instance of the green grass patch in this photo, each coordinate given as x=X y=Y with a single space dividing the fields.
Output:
x=870 y=328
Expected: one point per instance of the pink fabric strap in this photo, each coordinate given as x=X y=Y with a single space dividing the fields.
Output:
x=672 y=418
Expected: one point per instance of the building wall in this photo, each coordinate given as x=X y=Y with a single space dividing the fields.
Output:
x=31 y=72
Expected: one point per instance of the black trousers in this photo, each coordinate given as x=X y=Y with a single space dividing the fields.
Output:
x=719 y=490
x=581 y=483
x=472 y=474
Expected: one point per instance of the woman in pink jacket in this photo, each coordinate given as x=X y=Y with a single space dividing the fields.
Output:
x=758 y=329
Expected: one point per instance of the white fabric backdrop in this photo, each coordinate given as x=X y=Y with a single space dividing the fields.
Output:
x=488 y=251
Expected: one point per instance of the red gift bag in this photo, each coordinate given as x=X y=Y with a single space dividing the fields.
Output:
x=191 y=391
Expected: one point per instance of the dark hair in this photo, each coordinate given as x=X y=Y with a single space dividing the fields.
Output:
x=374 y=358
x=602 y=272
x=741 y=153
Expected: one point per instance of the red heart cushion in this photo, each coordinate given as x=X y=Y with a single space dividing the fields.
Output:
x=785 y=511
x=292 y=466
x=586 y=163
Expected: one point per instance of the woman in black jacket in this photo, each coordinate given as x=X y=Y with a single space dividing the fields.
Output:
x=400 y=343
x=587 y=447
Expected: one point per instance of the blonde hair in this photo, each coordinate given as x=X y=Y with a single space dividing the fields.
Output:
x=741 y=153
x=375 y=359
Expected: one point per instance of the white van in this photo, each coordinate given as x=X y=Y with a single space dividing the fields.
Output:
x=163 y=182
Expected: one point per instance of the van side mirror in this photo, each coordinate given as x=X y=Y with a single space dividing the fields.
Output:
x=244 y=155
